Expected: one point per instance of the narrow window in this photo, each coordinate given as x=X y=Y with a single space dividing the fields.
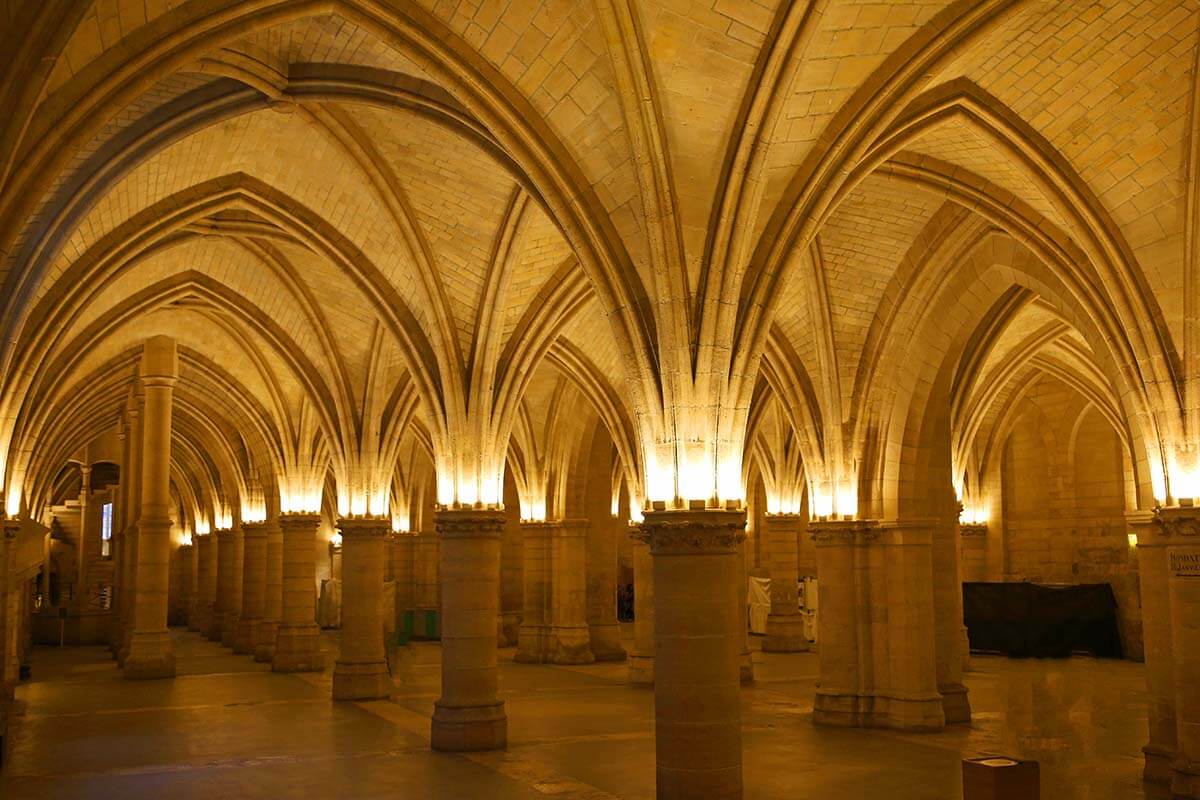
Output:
x=106 y=530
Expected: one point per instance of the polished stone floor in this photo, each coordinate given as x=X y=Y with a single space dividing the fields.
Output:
x=227 y=728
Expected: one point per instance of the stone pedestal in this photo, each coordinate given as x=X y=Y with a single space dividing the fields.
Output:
x=641 y=658
x=878 y=655
x=232 y=602
x=698 y=642
x=785 y=626
x=201 y=619
x=128 y=592
x=469 y=715
x=361 y=670
x=150 y=654
x=298 y=639
x=264 y=646
x=254 y=586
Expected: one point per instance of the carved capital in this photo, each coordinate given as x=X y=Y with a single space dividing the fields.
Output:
x=299 y=523
x=1178 y=521
x=469 y=523
x=362 y=528
x=686 y=532
x=252 y=530
x=846 y=533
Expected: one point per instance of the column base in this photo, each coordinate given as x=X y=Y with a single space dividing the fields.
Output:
x=1157 y=768
x=229 y=628
x=606 y=642
x=508 y=628
x=956 y=707
x=469 y=729
x=785 y=634
x=534 y=645
x=711 y=784
x=264 y=648
x=213 y=632
x=871 y=711
x=246 y=636
x=298 y=649
x=149 y=657
x=571 y=646
x=1185 y=780
x=366 y=681
x=746 y=667
x=641 y=670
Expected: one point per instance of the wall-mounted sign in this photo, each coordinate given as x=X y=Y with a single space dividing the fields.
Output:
x=1184 y=564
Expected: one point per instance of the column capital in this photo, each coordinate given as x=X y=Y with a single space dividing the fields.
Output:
x=844 y=532
x=782 y=521
x=685 y=531
x=1177 y=521
x=254 y=529
x=365 y=527
x=469 y=523
x=296 y=522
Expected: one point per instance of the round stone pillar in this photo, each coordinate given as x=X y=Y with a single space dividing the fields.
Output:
x=201 y=618
x=568 y=594
x=785 y=626
x=298 y=640
x=150 y=654
x=233 y=598
x=698 y=643
x=264 y=647
x=533 y=636
x=361 y=670
x=254 y=586
x=469 y=715
x=224 y=597
x=641 y=658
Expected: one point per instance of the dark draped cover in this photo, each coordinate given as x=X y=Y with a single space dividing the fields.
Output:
x=1032 y=620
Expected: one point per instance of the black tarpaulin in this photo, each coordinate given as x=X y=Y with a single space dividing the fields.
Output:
x=1033 y=620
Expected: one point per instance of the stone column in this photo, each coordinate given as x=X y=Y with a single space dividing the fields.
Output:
x=224 y=597
x=187 y=579
x=641 y=659
x=785 y=626
x=150 y=653
x=603 y=628
x=254 y=586
x=264 y=647
x=876 y=627
x=948 y=614
x=569 y=634
x=8 y=537
x=1181 y=529
x=533 y=638
x=232 y=601
x=469 y=715
x=361 y=670
x=402 y=545
x=698 y=643
x=1152 y=542
x=81 y=568
x=298 y=640
x=512 y=594
x=129 y=552
x=746 y=658
x=201 y=616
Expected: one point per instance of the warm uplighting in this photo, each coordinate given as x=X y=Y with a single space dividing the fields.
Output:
x=846 y=501
x=254 y=510
x=700 y=476
x=401 y=522
x=1184 y=476
x=974 y=515
x=533 y=509
x=12 y=504
x=223 y=519
x=1132 y=538
x=822 y=505
x=470 y=489
x=201 y=527
x=336 y=539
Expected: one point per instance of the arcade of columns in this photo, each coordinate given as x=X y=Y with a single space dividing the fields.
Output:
x=473 y=284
